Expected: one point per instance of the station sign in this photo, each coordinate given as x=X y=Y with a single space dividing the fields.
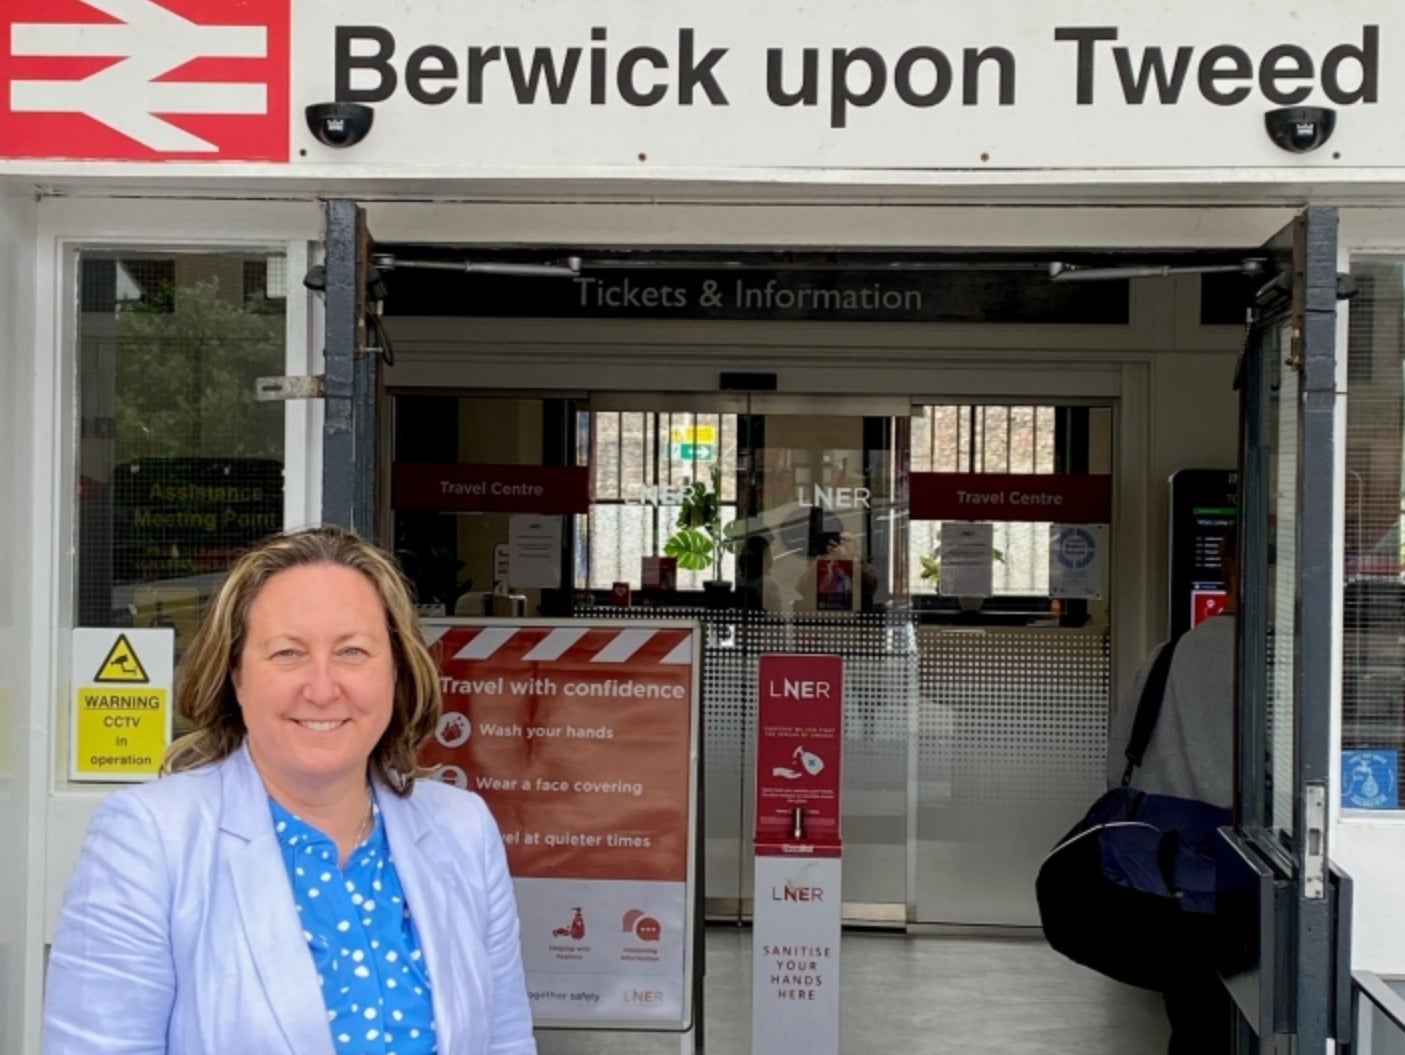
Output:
x=693 y=443
x=176 y=517
x=146 y=80
x=1012 y=295
x=121 y=712
x=633 y=89
x=1065 y=498
x=489 y=488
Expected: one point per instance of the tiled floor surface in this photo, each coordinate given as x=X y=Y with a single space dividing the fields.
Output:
x=922 y=995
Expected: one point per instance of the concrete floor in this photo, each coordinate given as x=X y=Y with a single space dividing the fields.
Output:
x=922 y=995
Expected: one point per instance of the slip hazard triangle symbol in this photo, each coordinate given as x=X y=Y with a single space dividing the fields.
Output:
x=121 y=663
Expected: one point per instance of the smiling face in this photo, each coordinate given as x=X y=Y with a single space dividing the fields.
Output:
x=315 y=679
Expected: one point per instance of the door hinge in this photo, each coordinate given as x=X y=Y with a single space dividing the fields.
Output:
x=277 y=389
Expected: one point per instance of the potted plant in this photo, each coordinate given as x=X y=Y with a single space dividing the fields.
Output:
x=699 y=540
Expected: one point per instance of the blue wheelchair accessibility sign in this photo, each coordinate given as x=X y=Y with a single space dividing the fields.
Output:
x=1370 y=779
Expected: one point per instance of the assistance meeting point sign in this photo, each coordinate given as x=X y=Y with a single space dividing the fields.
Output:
x=121 y=682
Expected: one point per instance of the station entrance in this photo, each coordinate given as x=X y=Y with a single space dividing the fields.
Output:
x=795 y=458
x=793 y=470
x=975 y=715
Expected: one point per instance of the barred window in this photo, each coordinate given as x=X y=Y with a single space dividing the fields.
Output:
x=964 y=438
x=641 y=462
x=1373 y=663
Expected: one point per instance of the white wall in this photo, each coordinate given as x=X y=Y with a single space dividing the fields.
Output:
x=1370 y=847
x=22 y=718
x=1194 y=412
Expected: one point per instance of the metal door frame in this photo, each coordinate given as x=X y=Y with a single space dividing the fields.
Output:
x=350 y=472
x=1301 y=915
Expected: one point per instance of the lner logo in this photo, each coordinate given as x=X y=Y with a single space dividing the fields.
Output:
x=145 y=80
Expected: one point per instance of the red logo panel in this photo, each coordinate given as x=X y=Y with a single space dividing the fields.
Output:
x=1206 y=603
x=799 y=748
x=1063 y=498
x=477 y=487
x=145 y=80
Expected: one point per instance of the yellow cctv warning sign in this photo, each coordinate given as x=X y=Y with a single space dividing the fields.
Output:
x=121 y=731
x=122 y=664
x=121 y=716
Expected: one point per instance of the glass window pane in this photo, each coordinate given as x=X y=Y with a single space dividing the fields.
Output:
x=1282 y=579
x=1373 y=664
x=824 y=515
x=642 y=461
x=179 y=466
x=456 y=559
x=991 y=439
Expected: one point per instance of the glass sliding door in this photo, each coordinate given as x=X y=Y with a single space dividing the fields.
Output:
x=781 y=522
x=1014 y=648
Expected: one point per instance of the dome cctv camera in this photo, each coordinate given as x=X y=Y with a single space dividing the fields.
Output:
x=339 y=124
x=1299 y=129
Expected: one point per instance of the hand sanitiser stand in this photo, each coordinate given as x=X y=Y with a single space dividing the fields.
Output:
x=796 y=918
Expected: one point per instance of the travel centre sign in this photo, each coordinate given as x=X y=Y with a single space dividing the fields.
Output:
x=639 y=87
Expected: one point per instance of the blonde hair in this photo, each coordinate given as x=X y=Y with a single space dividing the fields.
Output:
x=205 y=689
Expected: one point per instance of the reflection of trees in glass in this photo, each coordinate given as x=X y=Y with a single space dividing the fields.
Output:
x=187 y=360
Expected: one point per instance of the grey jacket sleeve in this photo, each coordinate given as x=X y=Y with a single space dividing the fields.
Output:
x=1119 y=723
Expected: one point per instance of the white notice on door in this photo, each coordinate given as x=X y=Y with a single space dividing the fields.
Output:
x=1076 y=561
x=534 y=552
x=967 y=556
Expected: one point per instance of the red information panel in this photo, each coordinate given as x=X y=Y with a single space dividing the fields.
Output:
x=484 y=488
x=1063 y=498
x=799 y=746
x=1205 y=603
x=145 y=80
x=579 y=738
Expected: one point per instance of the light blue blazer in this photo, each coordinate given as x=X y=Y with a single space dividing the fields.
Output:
x=179 y=935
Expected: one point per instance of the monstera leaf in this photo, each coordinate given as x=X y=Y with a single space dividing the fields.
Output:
x=691 y=547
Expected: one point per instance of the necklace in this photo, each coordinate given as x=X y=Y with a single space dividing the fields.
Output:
x=363 y=830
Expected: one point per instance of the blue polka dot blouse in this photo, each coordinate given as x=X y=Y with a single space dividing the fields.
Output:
x=363 y=941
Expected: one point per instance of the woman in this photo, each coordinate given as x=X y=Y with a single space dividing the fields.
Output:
x=290 y=887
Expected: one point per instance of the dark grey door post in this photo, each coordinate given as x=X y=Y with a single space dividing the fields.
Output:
x=1285 y=934
x=349 y=435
